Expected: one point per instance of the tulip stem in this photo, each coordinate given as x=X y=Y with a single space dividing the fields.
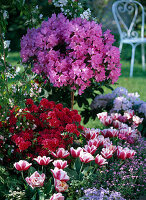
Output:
x=42 y=168
x=22 y=175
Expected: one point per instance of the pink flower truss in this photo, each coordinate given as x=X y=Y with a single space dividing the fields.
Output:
x=71 y=52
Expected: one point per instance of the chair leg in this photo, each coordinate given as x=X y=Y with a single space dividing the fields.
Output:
x=132 y=60
x=143 y=56
x=120 y=47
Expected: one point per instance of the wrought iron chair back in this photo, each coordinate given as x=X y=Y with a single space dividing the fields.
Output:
x=126 y=14
x=131 y=9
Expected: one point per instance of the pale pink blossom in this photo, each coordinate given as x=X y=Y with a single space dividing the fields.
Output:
x=60 y=186
x=35 y=180
x=106 y=121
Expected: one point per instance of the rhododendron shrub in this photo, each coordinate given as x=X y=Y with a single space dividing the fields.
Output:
x=71 y=53
x=40 y=129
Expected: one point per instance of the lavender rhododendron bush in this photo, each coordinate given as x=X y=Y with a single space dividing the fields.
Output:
x=71 y=53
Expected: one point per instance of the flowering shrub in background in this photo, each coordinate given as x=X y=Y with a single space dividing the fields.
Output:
x=71 y=52
x=72 y=8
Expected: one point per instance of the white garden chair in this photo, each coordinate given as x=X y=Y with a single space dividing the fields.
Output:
x=126 y=13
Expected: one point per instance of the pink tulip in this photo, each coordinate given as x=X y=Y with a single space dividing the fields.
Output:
x=124 y=153
x=129 y=114
x=95 y=142
x=90 y=149
x=101 y=140
x=42 y=160
x=137 y=120
x=117 y=124
x=122 y=119
x=91 y=133
x=60 y=174
x=60 y=153
x=106 y=121
x=57 y=196
x=86 y=157
x=109 y=132
x=102 y=115
x=123 y=133
x=107 y=153
x=22 y=165
x=60 y=164
x=35 y=180
x=75 y=152
x=100 y=160
x=60 y=186
x=115 y=116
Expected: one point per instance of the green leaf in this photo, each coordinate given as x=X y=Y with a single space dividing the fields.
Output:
x=87 y=170
x=77 y=165
x=31 y=170
x=48 y=187
x=71 y=173
x=34 y=197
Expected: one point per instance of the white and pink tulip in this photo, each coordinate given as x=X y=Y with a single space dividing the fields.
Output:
x=60 y=164
x=22 y=165
x=90 y=149
x=75 y=152
x=60 y=174
x=35 y=180
x=86 y=157
x=107 y=153
x=43 y=160
x=57 y=196
x=60 y=186
x=100 y=160
x=60 y=153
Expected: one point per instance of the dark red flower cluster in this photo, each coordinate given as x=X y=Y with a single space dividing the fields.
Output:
x=37 y=130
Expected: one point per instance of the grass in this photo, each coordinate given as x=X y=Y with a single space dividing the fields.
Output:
x=135 y=84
